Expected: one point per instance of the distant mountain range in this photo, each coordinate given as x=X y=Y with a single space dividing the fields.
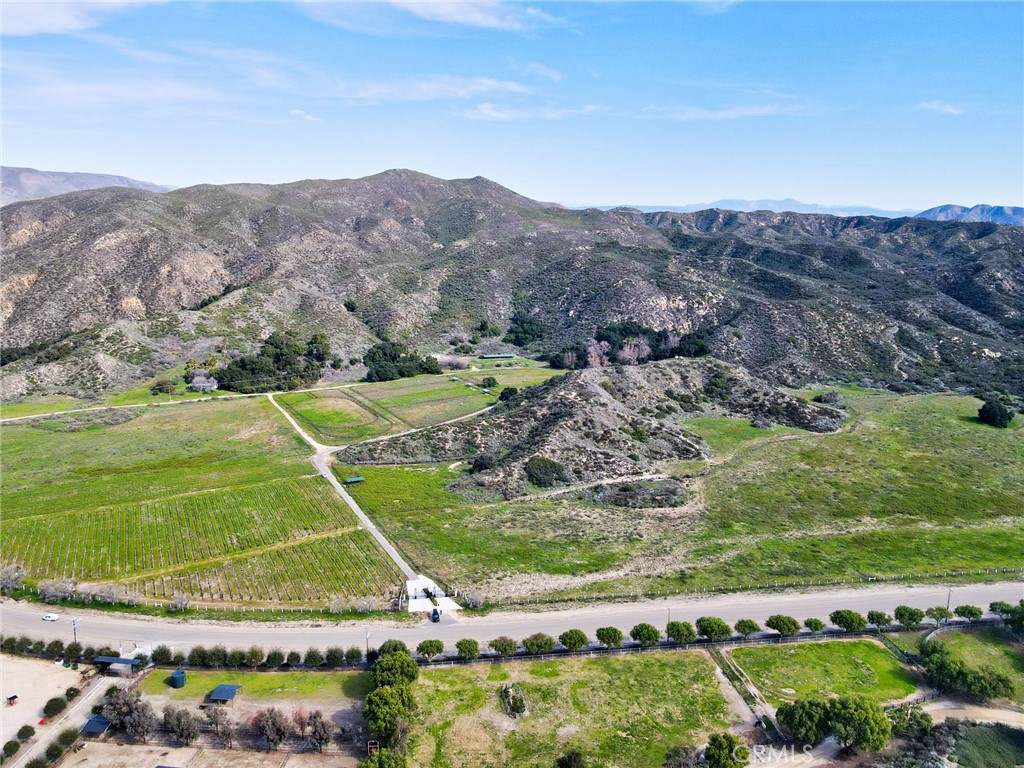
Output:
x=31 y=184
x=997 y=214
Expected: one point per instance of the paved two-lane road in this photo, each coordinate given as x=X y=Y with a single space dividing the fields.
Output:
x=111 y=629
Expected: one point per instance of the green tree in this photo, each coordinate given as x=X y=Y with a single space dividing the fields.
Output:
x=940 y=613
x=544 y=472
x=508 y=393
x=55 y=706
x=26 y=732
x=393 y=646
x=254 y=656
x=807 y=719
x=573 y=639
x=969 y=612
x=610 y=637
x=467 y=648
x=815 y=625
x=428 y=649
x=182 y=724
x=503 y=646
x=335 y=656
x=314 y=658
x=275 y=658
x=394 y=669
x=353 y=654
x=271 y=725
x=1001 y=608
x=725 y=750
x=907 y=616
x=645 y=634
x=385 y=758
x=857 y=722
x=10 y=748
x=910 y=721
x=786 y=626
x=995 y=413
x=161 y=655
x=713 y=628
x=489 y=382
x=538 y=643
x=851 y=621
x=747 y=627
x=319 y=730
x=681 y=632
x=879 y=618
x=383 y=709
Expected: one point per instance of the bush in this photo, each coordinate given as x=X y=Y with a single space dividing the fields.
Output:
x=394 y=669
x=573 y=639
x=393 y=646
x=335 y=656
x=747 y=627
x=237 y=658
x=71 y=693
x=681 y=632
x=68 y=737
x=293 y=658
x=198 y=656
x=275 y=658
x=786 y=626
x=37 y=762
x=571 y=759
x=907 y=616
x=610 y=637
x=313 y=658
x=428 y=649
x=55 y=706
x=503 y=646
x=54 y=752
x=161 y=655
x=995 y=413
x=468 y=648
x=538 y=643
x=10 y=748
x=544 y=472
x=489 y=382
x=879 y=618
x=645 y=634
x=26 y=732
x=713 y=628
x=850 y=621
x=508 y=393
x=353 y=655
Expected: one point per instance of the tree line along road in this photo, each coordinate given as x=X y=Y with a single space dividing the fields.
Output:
x=99 y=629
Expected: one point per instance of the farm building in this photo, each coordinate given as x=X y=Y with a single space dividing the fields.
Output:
x=97 y=725
x=224 y=694
x=116 y=664
x=498 y=356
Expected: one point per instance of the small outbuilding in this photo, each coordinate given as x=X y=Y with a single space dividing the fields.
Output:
x=97 y=725
x=224 y=694
x=116 y=664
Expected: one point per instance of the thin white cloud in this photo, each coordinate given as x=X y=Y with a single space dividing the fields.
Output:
x=304 y=115
x=692 y=114
x=391 y=16
x=942 y=107
x=431 y=88
x=488 y=111
x=533 y=68
x=24 y=17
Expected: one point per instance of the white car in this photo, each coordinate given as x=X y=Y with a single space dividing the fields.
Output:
x=51 y=617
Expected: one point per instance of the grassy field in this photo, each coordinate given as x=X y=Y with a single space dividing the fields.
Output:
x=621 y=712
x=349 y=414
x=989 y=647
x=467 y=543
x=987 y=746
x=111 y=457
x=725 y=435
x=35 y=405
x=857 y=667
x=270 y=686
x=907 y=641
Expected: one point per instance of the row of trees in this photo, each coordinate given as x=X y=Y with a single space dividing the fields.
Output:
x=948 y=672
x=66 y=739
x=390 y=704
x=218 y=656
x=282 y=362
x=629 y=343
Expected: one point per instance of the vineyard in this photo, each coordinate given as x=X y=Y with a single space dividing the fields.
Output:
x=181 y=543
x=347 y=565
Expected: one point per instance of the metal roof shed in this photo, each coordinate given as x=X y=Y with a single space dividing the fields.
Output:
x=97 y=725
x=224 y=694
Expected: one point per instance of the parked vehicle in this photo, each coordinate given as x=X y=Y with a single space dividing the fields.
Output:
x=51 y=617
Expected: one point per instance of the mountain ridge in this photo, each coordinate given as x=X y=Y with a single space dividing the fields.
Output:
x=997 y=214
x=119 y=284
x=18 y=183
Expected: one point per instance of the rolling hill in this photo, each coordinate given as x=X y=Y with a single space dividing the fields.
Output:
x=30 y=184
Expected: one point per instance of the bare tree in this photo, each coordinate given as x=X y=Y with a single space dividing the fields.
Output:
x=182 y=723
x=11 y=578
x=271 y=725
x=301 y=719
x=54 y=591
x=319 y=730
x=597 y=353
x=180 y=602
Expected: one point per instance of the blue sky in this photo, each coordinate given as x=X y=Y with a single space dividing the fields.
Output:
x=897 y=105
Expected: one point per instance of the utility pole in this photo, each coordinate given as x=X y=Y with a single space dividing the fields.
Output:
x=669 y=620
x=367 y=645
x=74 y=629
x=949 y=599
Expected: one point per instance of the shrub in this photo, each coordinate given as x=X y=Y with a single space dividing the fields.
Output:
x=254 y=656
x=538 y=643
x=161 y=655
x=68 y=736
x=879 y=618
x=907 y=616
x=394 y=669
x=645 y=634
x=275 y=658
x=786 y=626
x=747 y=627
x=610 y=637
x=10 y=748
x=851 y=621
x=969 y=612
x=198 y=656
x=71 y=693
x=468 y=648
x=55 y=706
x=713 y=628
x=725 y=750
x=681 y=632
x=428 y=649
x=293 y=658
x=54 y=649
x=995 y=413
x=544 y=472
x=353 y=655
x=237 y=658
x=573 y=639
x=393 y=646
x=37 y=762
x=218 y=656
x=571 y=759
x=313 y=658
x=508 y=393
x=335 y=656
x=489 y=382
x=815 y=625
x=26 y=732
x=503 y=646
x=54 y=752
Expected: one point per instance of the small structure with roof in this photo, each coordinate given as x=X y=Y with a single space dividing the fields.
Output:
x=116 y=664
x=224 y=694
x=97 y=725
x=424 y=596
